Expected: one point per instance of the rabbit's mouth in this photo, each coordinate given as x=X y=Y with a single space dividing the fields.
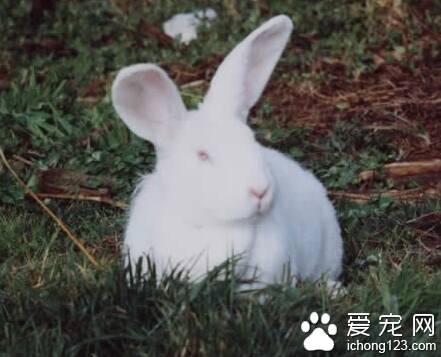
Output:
x=262 y=207
x=254 y=214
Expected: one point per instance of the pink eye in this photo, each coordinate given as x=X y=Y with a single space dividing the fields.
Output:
x=203 y=155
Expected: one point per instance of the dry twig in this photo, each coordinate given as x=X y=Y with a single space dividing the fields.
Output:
x=80 y=197
x=410 y=195
x=400 y=169
x=51 y=214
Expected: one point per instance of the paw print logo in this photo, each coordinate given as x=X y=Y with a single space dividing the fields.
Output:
x=318 y=339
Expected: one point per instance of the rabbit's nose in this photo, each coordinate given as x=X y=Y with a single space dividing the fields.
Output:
x=258 y=193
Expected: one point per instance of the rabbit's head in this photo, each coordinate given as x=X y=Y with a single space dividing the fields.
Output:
x=208 y=160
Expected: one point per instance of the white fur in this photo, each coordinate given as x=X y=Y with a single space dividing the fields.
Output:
x=197 y=213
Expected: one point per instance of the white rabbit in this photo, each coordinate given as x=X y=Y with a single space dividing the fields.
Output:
x=215 y=191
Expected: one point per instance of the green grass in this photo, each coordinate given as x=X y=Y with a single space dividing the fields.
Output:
x=54 y=302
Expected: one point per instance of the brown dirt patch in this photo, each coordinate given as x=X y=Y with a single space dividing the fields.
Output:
x=405 y=102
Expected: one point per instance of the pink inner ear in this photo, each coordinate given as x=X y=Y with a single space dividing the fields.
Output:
x=264 y=53
x=154 y=99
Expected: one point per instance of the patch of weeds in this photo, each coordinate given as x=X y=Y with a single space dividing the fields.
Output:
x=338 y=158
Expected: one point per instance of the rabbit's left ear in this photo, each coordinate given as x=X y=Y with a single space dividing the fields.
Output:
x=242 y=76
x=148 y=102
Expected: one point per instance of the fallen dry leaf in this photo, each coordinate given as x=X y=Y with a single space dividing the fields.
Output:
x=60 y=181
x=400 y=169
x=149 y=30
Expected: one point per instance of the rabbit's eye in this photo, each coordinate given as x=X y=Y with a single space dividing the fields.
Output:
x=203 y=155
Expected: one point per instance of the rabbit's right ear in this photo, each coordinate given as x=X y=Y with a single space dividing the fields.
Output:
x=242 y=76
x=148 y=102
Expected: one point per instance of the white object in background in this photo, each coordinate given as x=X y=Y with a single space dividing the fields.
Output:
x=184 y=26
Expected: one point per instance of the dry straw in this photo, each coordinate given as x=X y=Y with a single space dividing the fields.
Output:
x=51 y=214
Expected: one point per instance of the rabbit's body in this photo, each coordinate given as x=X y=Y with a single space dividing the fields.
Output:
x=300 y=231
x=215 y=191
